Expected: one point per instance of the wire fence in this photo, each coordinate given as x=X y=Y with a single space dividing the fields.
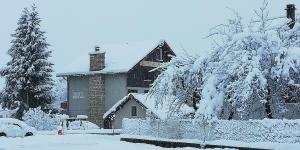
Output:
x=285 y=131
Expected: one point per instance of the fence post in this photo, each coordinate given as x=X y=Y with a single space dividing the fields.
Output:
x=158 y=123
x=179 y=131
x=204 y=130
x=193 y=129
x=139 y=126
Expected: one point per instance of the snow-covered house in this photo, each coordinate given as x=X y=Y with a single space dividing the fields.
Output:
x=140 y=105
x=112 y=72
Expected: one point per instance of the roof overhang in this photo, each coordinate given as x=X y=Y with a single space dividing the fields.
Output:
x=89 y=73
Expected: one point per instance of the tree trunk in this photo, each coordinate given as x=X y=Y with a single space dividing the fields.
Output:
x=267 y=104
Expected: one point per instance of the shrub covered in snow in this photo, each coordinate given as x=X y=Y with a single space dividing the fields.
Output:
x=82 y=125
x=41 y=120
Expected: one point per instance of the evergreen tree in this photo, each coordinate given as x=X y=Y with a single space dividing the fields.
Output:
x=28 y=73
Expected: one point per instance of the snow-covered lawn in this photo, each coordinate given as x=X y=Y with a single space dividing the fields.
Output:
x=73 y=142
x=90 y=131
x=222 y=142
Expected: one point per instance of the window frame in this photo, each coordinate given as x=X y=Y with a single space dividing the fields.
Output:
x=78 y=95
x=133 y=111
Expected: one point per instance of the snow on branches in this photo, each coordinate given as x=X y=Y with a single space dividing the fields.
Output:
x=179 y=80
x=244 y=77
x=28 y=73
x=41 y=120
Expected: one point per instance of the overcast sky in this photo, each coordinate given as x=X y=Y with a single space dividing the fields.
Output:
x=73 y=27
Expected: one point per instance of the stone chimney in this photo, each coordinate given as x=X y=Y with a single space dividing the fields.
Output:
x=290 y=14
x=97 y=59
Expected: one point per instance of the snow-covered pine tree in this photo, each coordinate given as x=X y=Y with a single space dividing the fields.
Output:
x=28 y=73
x=245 y=76
x=10 y=92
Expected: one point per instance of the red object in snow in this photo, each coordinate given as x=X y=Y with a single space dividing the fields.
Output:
x=60 y=132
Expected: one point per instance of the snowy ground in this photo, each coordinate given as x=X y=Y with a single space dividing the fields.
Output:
x=90 y=131
x=231 y=143
x=73 y=142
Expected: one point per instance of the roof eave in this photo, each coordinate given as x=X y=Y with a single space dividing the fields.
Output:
x=88 y=73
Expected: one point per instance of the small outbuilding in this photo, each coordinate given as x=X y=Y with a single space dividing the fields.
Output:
x=138 y=105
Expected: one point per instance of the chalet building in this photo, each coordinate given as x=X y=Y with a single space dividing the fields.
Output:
x=112 y=73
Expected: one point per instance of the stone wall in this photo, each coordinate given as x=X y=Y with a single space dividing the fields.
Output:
x=97 y=61
x=96 y=99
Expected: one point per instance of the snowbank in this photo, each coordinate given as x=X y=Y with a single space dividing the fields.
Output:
x=82 y=125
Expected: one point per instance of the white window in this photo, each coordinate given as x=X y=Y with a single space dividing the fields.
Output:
x=78 y=95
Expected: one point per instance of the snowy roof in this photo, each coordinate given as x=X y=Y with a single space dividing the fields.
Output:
x=119 y=58
x=161 y=111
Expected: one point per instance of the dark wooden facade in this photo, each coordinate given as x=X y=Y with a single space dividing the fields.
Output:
x=139 y=75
